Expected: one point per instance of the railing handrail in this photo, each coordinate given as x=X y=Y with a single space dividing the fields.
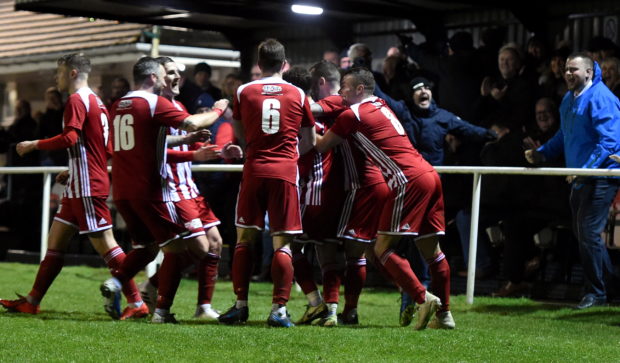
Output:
x=482 y=170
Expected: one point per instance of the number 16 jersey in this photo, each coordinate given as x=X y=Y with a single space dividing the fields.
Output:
x=272 y=111
x=140 y=123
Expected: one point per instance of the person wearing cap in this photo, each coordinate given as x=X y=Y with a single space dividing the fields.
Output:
x=434 y=123
x=201 y=84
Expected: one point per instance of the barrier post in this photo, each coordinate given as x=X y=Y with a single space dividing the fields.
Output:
x=473 y=238
x=45 y=211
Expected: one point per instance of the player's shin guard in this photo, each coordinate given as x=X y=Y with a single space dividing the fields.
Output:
x=331 y=283
x=169 y=279
x=303 y=273
x=282 y=275
x=242 y=267
x=49 y=268
x=207 y=276
x=440 y=279
x=355 y=277
x=403 y=276
x=114 y=259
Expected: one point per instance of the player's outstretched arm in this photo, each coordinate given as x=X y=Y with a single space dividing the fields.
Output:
x=327 y=141
x=189 y=139
x=68 y=138
x=308 y=139
x=202 y=120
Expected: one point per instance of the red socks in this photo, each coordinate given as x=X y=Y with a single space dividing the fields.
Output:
x=169 y=279
x=282 y=275
x=400 y=271
x=303 y=273
x=207 y=276
x=331 y=283
x=242 y=267
x=440 y=279
x=49 y=268
x=114 y=259
x=354 y=280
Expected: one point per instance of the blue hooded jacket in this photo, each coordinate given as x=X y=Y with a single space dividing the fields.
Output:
x=432 y=125
x=589 y=129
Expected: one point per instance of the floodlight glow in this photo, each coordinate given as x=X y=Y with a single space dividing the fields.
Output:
x=307 y=9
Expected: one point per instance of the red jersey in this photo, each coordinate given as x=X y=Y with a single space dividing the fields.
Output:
x=141 y=120
x=272 y=111
x=359 y=171
x=375 y=130
x=181 y=185
x=88 y=167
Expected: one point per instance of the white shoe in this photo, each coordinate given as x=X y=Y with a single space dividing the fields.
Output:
x=207 y=314
x=149 y=294
x=165 y=318
x=442 y=320
x=425 y=311
x=111 y=292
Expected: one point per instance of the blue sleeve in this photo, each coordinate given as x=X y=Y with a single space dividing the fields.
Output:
x=554 y=148
x=605 y=116
x=461 y=127
x=402 y=112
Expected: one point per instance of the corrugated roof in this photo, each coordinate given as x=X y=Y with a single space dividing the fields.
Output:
x=25 y=33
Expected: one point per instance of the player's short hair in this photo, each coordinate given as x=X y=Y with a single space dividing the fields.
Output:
x=362 y=76
x=325 y=69
x=143 y=69
x=298 y=76
x=586 y=58
x=77 y=61
x=164 y=60
x=270 y=55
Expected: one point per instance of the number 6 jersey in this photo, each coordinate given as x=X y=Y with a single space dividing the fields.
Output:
x=271 y=112
x=140 y=121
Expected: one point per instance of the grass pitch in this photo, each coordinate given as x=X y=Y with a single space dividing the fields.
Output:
x=73 y=327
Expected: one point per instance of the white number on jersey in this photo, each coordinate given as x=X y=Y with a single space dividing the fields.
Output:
x=123 y=132
x=106 y=128
x=271 y=116
x=390 y=116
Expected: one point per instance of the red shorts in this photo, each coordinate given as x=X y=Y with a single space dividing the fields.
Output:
x=415 y=208
x=150 y=221
x=87 y=214
x=196 y=216
x=277 y=197
x=360 y=215
x=207 y=216
x=320 y=222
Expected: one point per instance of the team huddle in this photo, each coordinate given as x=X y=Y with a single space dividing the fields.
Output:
x=330 y=165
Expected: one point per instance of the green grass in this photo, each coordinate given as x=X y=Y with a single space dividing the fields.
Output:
x=73 y=327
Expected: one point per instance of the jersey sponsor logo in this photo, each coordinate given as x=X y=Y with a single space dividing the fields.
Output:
x=103 y=221
x=270 y=88
x=193 y=224
x=124 y=104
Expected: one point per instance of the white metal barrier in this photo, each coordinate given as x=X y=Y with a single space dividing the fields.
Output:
x=475 y=203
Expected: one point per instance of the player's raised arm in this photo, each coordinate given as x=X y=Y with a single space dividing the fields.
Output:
x=202 y=120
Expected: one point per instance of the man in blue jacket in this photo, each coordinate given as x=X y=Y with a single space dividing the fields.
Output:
x=589 y=134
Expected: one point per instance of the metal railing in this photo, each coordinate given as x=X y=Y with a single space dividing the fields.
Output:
x=475 y=203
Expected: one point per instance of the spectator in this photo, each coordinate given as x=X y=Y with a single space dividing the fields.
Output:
x=332 y=56
x=255 y=73
x=345 y=62
x=50 y=124
x=191 y=91
x=361 y=56
x=120 y=86
x=434 y=123
x=611 y=74
x=552 y=82
x=508 y=99
x=600 y=48
x=231 y=82
x=588 y=135
x=396 y=77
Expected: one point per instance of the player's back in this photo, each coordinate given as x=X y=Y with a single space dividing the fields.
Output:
x=382 y=137
x=139 y=161
x=86 y=113
x=272 y=112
